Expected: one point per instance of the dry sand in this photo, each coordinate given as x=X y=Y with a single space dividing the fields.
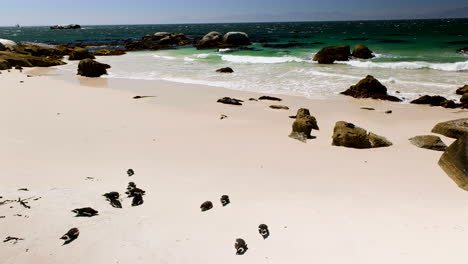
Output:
x=323 y=204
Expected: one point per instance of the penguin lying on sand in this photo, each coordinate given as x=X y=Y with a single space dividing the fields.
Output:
x=86 y=211
x=206 y=206
x=241 y=246
x=71 y=235
x=263 y=230
x=225 y=200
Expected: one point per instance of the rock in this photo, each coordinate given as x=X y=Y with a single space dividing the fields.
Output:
x=16 y=59
x=91 y=68
x=231 y=101
x=435 y=100
x=453 y=128
x=328 y=55
x=464 y=100
x=211 y=40
x=71 y=26
x=303 y=125
x=428 y=142
x=109 y=52
x=462 y=90
x=161 y=35
x=236 y=38
x=225 y=70
x=450 y=104
x=8 y=44
x=80 y=54
x=4 y=65
x=454 y=161
x=370 y=87
x=283 y=107
x=34 y=50
x=271 y=98
x=463 y=50
x=2 y=47
x=368 y=108
x=348 y=135
x=362 y=52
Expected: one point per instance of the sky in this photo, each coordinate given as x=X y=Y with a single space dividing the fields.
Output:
x=94 y=12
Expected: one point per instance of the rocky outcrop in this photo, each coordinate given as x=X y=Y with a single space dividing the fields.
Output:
x=428 y=142
x=435 y=100
x=225 y=70
x=229 y=100
x=362 y=52
x=462 y=90
x=463 y=50
x=453 y=128
x=80 y=54
x=328 y=55
x=303 y=125
x=370 y=87
x=8 y=44
x=159 y=40
x=211 y=40
x=2 y=47
x=26 y=60
x=4 y=65
x=236 y=39
x=109 y=52
x=91 y=68
x=348 y=135
x=454 y=161
x=464 y=100
x=229 y=40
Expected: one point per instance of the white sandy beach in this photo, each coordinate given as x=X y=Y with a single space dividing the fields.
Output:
x=323 y=204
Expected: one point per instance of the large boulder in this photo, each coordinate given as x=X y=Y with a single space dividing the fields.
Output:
x=211 y=40
x=454 y=161
x=8 y=44
x=80 y=54
x=464 y=100
x=24 y=60
x=362 y=52
x=91 y=68
x=2 y=47
x=428 y=142
x=348 y=135
x=435 y=100
x=370 y=87
x=225 y=70
x=236 y=39
x=4 y=65
x=462 y=90
x=328 y=55
x=303 y=125
x=453 y=128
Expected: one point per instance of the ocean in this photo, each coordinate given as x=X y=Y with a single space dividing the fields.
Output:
x=413 y=57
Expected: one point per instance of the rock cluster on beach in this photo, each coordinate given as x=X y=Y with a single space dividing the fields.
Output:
x=370 y=87
x=348 y=135
x=91 y=68
x=303 y=125
x=328 y=55
x=454 y=161
x=228 y=40
x=80 y=54
x=159 y=40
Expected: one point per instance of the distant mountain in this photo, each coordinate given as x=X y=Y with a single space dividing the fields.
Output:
x=451 y=13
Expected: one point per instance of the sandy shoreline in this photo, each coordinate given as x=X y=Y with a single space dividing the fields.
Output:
x=323 y=203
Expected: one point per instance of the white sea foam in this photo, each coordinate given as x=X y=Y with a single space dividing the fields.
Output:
x=164 y=57
x=204 y=56
x=456 y=66
x=189 y=59
x=259 y=60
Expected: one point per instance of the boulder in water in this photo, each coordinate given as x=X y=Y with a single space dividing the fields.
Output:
x=454 y=161
x=211 y=40
x=236 y=39
x=362 y=52
x=328 y=55
x=91 y=68
x=462 y=90
x=370 y=87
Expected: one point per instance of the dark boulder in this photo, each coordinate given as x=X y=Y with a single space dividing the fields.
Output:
x=271 y=98
x=4 y=65
x=229 y=100
x=236 y=39
x=2 y=47
x=225 y=70
x=109 y=52
x=211 y=40
x=303 y=125
x=428 y=142
x=348 y=135
x=23 y=60
x=282 y=107
x=435 y=100
x=454 y=161
x=328 y=55
x=453 y=128
x=91 y=68
x=370 y=87
x=362 y=52
x=463 y=50
x=462 y=90
x=80 y=54
x=464 y=100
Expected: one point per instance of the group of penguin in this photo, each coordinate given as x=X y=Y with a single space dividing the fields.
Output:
x=240 y=245
x=113 y=198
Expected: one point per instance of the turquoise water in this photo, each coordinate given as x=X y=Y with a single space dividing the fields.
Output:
x=413 y=57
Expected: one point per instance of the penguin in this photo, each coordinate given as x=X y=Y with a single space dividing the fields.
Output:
x=71 y=235
x=111 y=196
x=206 y=206
x=137 y=199
x=115 y=203
x=130 y=172
x=241 y=246
x=86 y=211
x=225 y=200
x=131 y=185
x=134 y=191
x=263 y=230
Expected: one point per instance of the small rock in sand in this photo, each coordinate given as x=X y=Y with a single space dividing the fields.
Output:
x=271 y=98
x=225 y=70
x=229 y=100
x=367 y=108
x=283 y=107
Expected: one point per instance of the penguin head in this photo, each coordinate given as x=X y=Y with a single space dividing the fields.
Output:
x=65 y=237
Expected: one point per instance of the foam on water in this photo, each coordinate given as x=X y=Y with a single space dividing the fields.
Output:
x=407 y=65
x=259 y=60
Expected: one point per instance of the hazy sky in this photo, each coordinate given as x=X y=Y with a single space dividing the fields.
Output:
x=86 y=12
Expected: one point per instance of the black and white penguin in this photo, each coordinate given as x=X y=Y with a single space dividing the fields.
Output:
x=130 y=172
x=111 y=196
x=263 y=230
x=71 y=235
x=241 y=246
x=131 y=185
x=137 y=199
x=135 y=191
x=116 y=203
x=206 y=206
x=86 y=211
x=225 y=200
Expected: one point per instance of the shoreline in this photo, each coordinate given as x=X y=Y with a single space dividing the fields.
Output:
x=322 y=203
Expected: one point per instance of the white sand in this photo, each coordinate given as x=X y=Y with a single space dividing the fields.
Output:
x=323 y=204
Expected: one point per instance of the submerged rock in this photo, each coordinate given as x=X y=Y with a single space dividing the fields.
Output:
x=370 y=87
x=348 y=135
x=91 y=68
x=428 y=142
x=303 y=125
x=229 y=100
x=328 y=55
x=454 y=161
x=225 y=70
x=453 y=128
x=80 y=54
x=362 y=52
x=462 y=90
